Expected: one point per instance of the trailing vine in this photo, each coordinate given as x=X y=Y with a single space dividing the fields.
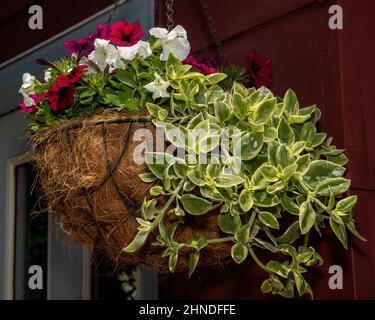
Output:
x=286 y=168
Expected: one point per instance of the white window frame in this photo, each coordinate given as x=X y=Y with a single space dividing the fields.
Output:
x=10 y=218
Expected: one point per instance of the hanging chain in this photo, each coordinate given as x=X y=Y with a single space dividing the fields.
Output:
x=116 y=3
x=213 y=31
x=169 y=14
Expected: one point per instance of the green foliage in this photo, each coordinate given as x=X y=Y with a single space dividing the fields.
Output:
x=128 y=279
x=235 y=74
x=285 y=168
x=275 y=164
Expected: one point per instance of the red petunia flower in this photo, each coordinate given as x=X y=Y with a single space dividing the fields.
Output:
x=199 y=66
x=124 y=33
x=64 y=80
x=259 y=69
x=60 y=97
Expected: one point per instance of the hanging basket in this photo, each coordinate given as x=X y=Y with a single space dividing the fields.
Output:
x=91 y=184
x=249 y=174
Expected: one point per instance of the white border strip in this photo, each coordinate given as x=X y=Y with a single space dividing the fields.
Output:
x=10 y=214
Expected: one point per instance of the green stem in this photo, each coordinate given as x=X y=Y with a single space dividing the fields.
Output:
x=210 y=241
x=176 y=119
x=306 y=240
x=304 y=187
x=320 y=204
x=272 y=238
x=216 y=205
x=255 y=258
x=156 y=44
x=167 y=205
x=312 y=196
x=252 y=218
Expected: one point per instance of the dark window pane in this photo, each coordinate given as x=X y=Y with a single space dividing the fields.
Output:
x=110 y=284
x=31 y=236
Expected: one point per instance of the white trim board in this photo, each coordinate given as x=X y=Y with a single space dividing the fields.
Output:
x=10 y=214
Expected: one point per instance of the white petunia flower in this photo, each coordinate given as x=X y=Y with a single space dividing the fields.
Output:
x=27 y=81
x=47 y=76
x=105 y=54
x=158 y=87
x=144 y=49
x=174 y=42
x=27 y=88
x=128 y=53
x=178 y=31
x=180 y=47
x=117 y=63
x=27 y=100
x=158 y=32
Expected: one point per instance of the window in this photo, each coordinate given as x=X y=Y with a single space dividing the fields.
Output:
x=110 y=284
x=67 y=272
x=31 y=234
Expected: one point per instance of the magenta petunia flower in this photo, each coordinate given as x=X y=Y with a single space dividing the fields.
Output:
x=25 y=108
x=121 y=33
x=82 y=46
x=199 y=66
x=37 y=99
x=124 y=33
x=86 y=45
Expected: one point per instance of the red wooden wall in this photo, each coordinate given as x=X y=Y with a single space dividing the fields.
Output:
x=331 y=68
